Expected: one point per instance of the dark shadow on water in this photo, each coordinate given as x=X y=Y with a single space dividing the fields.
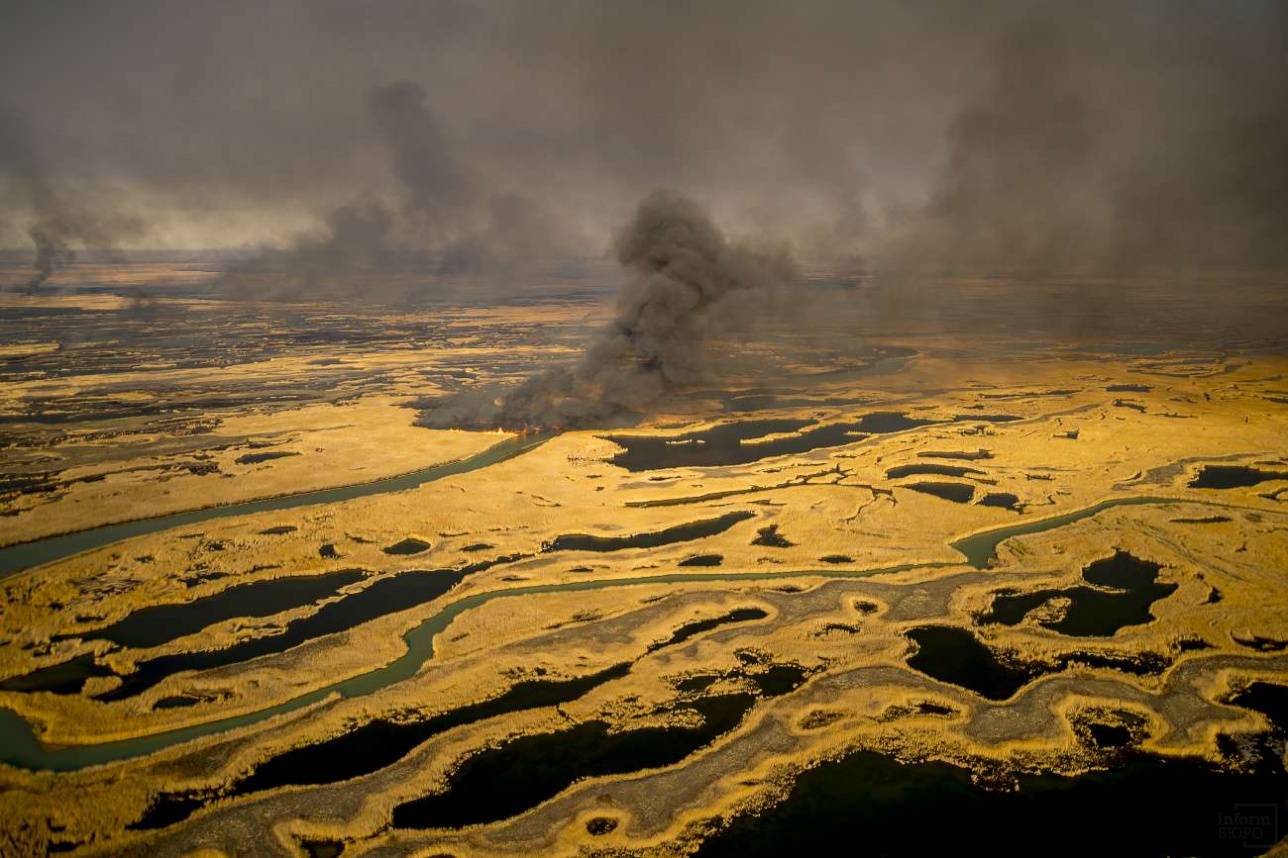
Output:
x=1002 y=500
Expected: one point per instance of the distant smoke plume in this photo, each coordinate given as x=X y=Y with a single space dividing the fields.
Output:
x=445 y=220
x=58 y=220
x=682 y=278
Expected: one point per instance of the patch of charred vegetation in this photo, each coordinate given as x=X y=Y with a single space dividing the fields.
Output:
x=182 y=701
x=654 y=539
x=259 y=458
x=834 y=628
x=1233 y=477
x=1124 y=589
x=13 y=486
x=724 y=445
x=986 y=418
x=899 y=711
x=498 y=783
x=874 y=798
x=382 y=597
x=769 y=537
x=278 y=530
x=370 y=747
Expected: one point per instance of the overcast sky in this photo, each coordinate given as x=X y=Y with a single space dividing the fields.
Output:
x=970 y=130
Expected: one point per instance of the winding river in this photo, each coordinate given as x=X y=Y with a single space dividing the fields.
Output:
x=25 y=555
x=22 y=748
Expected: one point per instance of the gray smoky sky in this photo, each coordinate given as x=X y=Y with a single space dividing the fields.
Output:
x=334 y=136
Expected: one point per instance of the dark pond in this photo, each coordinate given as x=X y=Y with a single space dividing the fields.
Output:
x=901 y=471
x=149 y=627
x=955 y=492
x=679 y=533
x=1005 y=500
x=1145 y=806
x=67 y=677
x=769 y=537
x=257 y=458
x=1267 y=698
x=386 y=596
x=381 y=743
x=954 y=655
x=1233 y=477
x=1134 y=589
x=723 y=445
x=501 y=782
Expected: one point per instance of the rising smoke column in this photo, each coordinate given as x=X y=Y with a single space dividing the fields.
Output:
x=59 y=218
x=682 y=275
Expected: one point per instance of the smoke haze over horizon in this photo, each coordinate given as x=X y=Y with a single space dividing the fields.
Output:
x=325 y=139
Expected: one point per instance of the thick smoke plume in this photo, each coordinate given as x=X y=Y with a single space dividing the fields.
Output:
x=682 y=278
x=444 y=220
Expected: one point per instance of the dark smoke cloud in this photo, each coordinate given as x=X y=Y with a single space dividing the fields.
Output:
x=444 y=219
x=996 y=135
x=683 y=278
x=1089 y=151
